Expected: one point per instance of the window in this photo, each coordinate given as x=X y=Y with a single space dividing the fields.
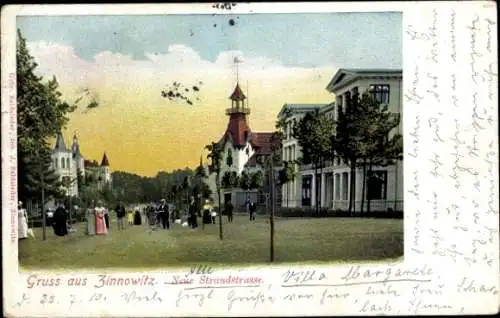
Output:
x=347 y=96
x=377 y=185
x=62 y=163
x=355 y=90
x=229 y=158
x=380 y=93
x=55 y=163
x=68 y=164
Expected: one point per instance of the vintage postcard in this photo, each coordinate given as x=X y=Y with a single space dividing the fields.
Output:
x=250 y=159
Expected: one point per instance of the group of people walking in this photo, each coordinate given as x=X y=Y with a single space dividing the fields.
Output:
x=158 y=215
x=98 y=218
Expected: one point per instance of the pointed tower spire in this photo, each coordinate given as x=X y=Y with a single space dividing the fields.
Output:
x=104 y=161
x=60 y=144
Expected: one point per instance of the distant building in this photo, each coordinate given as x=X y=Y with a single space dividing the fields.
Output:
x=100 y=173
x=384 y=186
x=67 y=163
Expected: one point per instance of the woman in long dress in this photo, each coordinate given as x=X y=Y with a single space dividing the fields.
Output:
x=22 y=222
x=91 y=221
x=100 y=221
x=137 y=217
x=59 y=222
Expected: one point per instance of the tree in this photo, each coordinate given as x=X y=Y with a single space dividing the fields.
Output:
x=377 y=146
x=345 y=141
x=286 y=175
x=215 y=156
x=313 y=133
x=41 y=114
x=257 y=180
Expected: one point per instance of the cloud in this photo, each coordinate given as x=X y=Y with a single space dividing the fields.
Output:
x=179 y=63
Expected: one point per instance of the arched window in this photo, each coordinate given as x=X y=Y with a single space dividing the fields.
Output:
x=68 y=163
x=55 y=163
x=62 y=163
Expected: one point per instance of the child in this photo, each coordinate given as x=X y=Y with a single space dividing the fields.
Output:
x=130 y=217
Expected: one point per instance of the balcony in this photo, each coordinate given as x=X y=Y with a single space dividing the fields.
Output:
x=240 y=110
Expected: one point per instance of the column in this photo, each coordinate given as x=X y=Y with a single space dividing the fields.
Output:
x=323 y=190
x=313 y=190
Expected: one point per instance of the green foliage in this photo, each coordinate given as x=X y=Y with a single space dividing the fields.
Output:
x=230 y=180
x=41 y=114
x=245 y=180
x=314 y=135
x=287 y=173
x=257 y=180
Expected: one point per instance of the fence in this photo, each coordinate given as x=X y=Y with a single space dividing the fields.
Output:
x=35 y=217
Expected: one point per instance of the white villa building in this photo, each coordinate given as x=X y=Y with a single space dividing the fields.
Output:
x=243 y=149
x=385 y=186
x=67 y=162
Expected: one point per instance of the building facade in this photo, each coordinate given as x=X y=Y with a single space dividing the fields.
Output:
x=68 y=163
x=385 y=184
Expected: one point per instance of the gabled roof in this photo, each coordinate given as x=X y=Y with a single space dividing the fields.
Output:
x=60 y=145
x=104 y=161
x=262 y=142
x=299 y=108
x=344 y=76
x=237 y=94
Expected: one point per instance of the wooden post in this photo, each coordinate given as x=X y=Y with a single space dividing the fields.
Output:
x=44 y=219
x=271 y=216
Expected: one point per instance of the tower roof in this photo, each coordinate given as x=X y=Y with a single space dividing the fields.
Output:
x=104 y=161
x=75 y=147
x=60 y=145
x=237 y=94
x=237 y=130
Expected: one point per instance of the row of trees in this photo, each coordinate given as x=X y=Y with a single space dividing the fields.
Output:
x=362 y=136
x=176 y=186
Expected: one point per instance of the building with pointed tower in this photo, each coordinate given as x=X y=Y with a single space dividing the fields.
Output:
x=68 y=163
x=100 y=172
x=243 y=149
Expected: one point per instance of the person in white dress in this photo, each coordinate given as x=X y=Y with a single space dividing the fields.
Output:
x=22 y=222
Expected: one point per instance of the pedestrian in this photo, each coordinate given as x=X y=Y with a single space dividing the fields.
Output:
x=252 y=207
x=207 y=209
x=151 y=215
x=100 y=219
x=137 y=217
x=106 y=217
x=22 y=222
x=229 y=211
x=193 y=213
x=91 y=221
x=164 y=213
x=120 y=216
x=60 y=224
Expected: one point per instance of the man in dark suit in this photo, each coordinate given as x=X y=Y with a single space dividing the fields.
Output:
x=120 y=216
x=193 y=213
x=164 y=213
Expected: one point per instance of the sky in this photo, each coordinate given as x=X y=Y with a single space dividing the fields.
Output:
x=123 y=63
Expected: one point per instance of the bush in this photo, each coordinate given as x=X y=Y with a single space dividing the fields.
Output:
x=325 y=212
